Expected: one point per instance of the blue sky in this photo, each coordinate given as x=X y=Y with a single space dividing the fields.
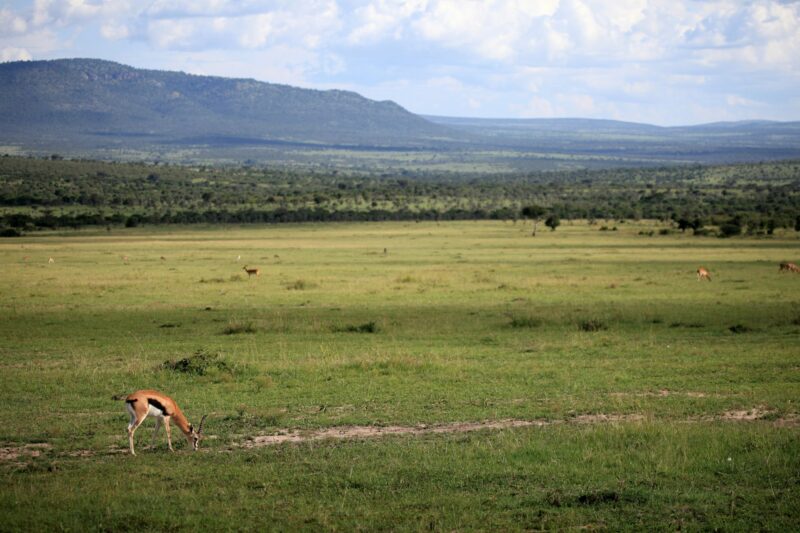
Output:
x=667 y=62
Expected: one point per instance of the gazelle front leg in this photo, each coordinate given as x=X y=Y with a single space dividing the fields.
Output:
x=155 y=433
x=169 y=433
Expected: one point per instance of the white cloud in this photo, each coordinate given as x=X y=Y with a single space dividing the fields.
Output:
x=11 y=23
x=634 y=59
x=734 y=100
x=382 y=19
x=14 y=54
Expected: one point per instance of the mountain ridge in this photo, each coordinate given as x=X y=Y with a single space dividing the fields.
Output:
x=108 y=110
x=90 y=96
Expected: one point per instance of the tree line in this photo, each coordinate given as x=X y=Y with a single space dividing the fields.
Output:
x=53 y=193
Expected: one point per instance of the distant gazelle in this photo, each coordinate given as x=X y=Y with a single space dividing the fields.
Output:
x=142 y=403
x=251 y=271
x=789 y=267
x=51 y=260
x=702 y=274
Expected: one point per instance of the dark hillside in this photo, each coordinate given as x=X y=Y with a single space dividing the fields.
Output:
x=95 y=102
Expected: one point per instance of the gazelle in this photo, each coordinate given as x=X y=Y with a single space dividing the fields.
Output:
x=789 y=267
x=142 y=403
x=51 y=260
x=252 y=271
x=702 y=274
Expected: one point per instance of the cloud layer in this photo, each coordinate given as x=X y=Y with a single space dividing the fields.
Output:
x=660 y=61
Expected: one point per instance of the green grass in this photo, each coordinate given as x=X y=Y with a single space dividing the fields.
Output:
x=456 y=322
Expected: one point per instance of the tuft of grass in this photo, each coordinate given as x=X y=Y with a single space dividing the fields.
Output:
x=236 y=327
x=592 y=325
x=739 y=328
x=367 y=327
x=521 y=322
x=300 y=285
x=264 y=382
x=212 y=280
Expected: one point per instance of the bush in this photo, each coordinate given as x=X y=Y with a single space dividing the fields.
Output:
x=730 y=230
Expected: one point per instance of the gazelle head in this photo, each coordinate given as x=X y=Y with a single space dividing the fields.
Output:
x=195 y=436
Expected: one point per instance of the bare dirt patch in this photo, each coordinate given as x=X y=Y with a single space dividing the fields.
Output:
x=664 y=393
x=368 y=432
x=25 y=453
x=756 y=413
x=12 y=453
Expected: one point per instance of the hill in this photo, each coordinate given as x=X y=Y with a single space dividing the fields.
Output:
x=100 y=109
x=721 y=142
x=89 y=102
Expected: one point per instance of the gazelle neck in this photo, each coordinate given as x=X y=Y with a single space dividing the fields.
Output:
x=181 y=422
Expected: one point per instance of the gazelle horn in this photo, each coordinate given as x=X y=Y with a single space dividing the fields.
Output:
x=202 y=420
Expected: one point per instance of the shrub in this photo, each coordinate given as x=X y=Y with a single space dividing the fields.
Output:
x=198 y=364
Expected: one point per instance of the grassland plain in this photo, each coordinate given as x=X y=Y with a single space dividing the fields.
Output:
x=663 y=403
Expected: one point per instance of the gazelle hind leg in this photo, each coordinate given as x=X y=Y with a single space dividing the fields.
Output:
x=131 y=430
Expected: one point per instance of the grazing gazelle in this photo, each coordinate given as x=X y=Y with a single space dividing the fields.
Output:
x=252 y=271
x=789 y=267
x=702 y=274
x=142 y=403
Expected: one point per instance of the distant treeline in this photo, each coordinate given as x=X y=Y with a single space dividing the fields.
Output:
x=249 y=216
x=55 y=193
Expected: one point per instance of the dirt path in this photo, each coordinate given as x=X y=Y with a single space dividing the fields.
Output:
x=19 y=455
x=368 y=432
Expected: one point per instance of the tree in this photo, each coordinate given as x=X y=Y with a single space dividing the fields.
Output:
x=684 y=224
x=534 y=212
x=552 y=222
x=730 y=229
